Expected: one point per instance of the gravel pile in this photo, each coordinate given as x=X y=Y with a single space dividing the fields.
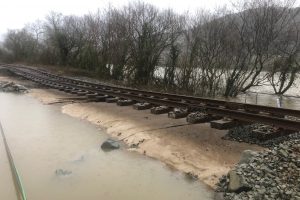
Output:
x=244 y=134
x=273 y=174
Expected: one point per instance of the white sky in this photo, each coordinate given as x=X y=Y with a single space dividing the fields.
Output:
x=16 y=13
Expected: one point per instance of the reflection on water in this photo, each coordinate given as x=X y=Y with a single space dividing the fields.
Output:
x=59 y=158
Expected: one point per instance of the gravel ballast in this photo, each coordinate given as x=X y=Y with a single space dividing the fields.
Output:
x=245 y=134
x=272 y=174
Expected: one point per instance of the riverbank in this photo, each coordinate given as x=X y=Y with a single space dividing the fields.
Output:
x=195 y=149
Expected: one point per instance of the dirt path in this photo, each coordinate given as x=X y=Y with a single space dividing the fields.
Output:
x=189 y=148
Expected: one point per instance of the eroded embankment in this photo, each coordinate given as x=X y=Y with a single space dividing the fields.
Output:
x=195 y=149
x=190 y=148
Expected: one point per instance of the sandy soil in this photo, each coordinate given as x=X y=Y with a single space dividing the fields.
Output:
x=189 y=148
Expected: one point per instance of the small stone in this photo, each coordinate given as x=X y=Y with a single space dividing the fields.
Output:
x=62 y=172
x=191 y=176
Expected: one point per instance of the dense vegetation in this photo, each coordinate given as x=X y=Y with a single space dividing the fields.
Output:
x=224 y=52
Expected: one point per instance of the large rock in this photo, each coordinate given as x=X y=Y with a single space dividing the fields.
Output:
x=109 y=145
x=237 y=183
x=246 y=156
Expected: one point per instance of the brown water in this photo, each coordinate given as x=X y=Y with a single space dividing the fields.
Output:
x=42 y=140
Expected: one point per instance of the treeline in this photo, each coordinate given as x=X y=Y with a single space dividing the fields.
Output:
x=224 y=52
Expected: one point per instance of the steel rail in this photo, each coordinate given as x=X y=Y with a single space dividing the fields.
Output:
x=190 y=99
x=20 y=191
x=225 y=112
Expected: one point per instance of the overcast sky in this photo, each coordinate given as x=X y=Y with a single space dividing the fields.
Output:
x=15 y=14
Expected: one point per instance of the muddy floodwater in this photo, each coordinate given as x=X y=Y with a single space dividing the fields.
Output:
x=59 y=158
x=268 y=100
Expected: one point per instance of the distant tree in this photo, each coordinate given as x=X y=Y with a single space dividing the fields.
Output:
x=20 y=45
x=172 y=52
x=148 y=39
x=285 y=69
x=258 y=26
x=222 y=52
x=213 y=50
x=64 y=38
x=55 y=40
x=186 y=77
x=283 y=74
x=2 y=54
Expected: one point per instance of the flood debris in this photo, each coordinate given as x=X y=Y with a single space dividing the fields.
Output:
x=79 y=159
x=136 y=145
x=109 y=145
x=6 y=86
x=191 y=176
x=62 y=172
x=273 y=174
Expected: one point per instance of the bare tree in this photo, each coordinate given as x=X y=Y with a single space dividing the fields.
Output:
x=258 y=25
x=171 y=55
x=211 y=53
x=20 y=45
x=285 y=68
x=186 y=77
x=148 y=39
x=117 y=27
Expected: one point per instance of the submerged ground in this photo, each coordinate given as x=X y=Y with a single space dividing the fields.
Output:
x=59 y=157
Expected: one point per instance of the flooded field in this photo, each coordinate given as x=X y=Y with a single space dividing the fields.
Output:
x=268 y=100
x=59 y=158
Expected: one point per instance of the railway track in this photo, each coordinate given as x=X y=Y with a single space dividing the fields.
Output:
x=240 y=112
